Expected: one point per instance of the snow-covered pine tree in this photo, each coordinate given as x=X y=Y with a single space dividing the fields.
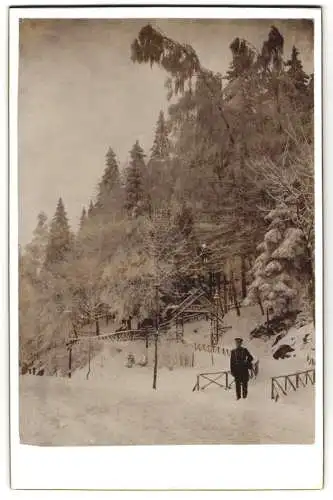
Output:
x=91 y=209
x=81 y=233
x=184 y=221
x=185 y=252
x=296 y=72
x=161 y=145
x=83 y=218
x=135 y=197
x=311 y=87
x=108 y=185
x=34 y=252
x=279 y=270
x=160 y=179
x=243 y=58
x=60 y=241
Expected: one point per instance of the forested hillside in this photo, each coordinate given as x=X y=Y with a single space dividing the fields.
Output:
x=231 y=167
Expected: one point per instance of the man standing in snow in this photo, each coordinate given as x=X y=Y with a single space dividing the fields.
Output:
x=240 y=364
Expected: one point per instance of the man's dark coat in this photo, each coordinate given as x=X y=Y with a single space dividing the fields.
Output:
x=240 y=363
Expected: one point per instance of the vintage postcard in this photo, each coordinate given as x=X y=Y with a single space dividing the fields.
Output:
x=166 y=243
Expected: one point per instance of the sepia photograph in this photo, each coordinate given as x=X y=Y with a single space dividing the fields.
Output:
x=167 y=250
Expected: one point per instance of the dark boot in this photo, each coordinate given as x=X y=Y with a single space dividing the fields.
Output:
x=238 y=389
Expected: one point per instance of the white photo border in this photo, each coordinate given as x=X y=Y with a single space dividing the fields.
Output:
x=215 y=467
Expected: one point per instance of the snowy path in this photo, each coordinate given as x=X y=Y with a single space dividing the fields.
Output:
x=117 y=405
x=124 y=410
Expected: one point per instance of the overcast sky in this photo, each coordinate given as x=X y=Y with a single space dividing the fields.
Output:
x=79 y=93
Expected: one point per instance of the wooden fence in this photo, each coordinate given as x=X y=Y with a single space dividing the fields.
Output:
x=222 y=379
x=283 y=383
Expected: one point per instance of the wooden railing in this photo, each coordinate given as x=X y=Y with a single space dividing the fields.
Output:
x=34 y=370
x=283 y=383
x=222 y=379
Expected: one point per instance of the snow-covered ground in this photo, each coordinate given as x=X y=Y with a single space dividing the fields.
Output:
x=125 y=410
x=117 y=405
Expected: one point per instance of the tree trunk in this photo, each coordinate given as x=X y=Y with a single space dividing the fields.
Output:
x=225 y=293
x=276 y=90
x=211 y=284
x=157 y=313
x=312 y=286
x=243 y=277
x=251 y=260
x=311 y=294
x=234 y=294
x=70 y=362
x=155 y=362
x=97 y=327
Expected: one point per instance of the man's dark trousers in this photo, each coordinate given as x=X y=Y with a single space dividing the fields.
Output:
x=241 y=387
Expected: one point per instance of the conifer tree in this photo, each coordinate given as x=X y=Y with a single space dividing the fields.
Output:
x=161 y=146
x=34 y=254
x=311 y=85
x=91 y=209
x=160 y=176
x=295 y=71
x=185 y=221
x=272 y=50
x=185 y=246
x=242 y=59
x=83 y=218
x=280 y=271
x=60 y=238
x=109 y=183
x=80 y=239
x=135 y=202
x=41 y=224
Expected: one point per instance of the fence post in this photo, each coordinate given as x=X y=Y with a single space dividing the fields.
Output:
x=227 y=380
x=243 y=277
x=272 y=388
x=89 y=357
x=70 y=361
x=297 y=380
x=225 y=293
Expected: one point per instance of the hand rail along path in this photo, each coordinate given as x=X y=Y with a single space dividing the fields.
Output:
x=281 y=384
x=213 y=378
